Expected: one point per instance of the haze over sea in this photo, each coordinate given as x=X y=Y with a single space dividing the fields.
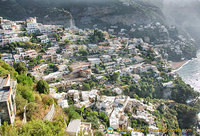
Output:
x=190 y=72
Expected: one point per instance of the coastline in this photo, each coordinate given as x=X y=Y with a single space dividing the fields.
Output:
x=176 y=66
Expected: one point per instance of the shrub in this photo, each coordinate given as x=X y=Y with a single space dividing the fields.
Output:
x=85 y=86
x=28 y=95
x=71 y=113
x=20 y=103
x=22 y=88
x=20 y=68
x=42 y=87
x=98 y=133
x=31 y=108
x=47 y=100
x=25 y=80
x=38 y=98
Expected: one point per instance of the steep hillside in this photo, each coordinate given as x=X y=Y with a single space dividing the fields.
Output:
x=85 y=14
x=185 y=14
x=22 y=9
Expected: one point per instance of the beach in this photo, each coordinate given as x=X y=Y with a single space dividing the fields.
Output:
x=177 y=65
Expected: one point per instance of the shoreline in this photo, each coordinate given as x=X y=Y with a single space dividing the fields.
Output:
x=176 y=66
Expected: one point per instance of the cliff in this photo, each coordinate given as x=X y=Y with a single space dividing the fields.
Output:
x=85 y=14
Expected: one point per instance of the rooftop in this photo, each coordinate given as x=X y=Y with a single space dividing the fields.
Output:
x=74 y=125
x=4 y=88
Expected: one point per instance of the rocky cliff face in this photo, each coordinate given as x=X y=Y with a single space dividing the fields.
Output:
x=22 y=9
x=85 y=14
x=118 y=12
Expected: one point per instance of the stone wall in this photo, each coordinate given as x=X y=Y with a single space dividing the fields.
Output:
x=50 y=114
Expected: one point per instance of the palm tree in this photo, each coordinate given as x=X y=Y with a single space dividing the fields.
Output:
x=82 y=110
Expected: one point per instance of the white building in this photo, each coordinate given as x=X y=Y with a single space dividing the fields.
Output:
x=19 y=39
x=94 y=61
x=43 y=38
x=32 y=27
x=31 y=53
x=114 y=119
x=74 y=127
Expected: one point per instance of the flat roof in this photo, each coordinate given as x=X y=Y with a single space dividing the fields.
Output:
x=74 y=125
x=4 y=91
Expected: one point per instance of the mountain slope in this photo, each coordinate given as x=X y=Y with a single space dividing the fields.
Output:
x=85 y=14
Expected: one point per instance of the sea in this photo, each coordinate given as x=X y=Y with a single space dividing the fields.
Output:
x=190 y=72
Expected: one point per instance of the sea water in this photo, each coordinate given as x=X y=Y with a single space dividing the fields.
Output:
x=190 y=73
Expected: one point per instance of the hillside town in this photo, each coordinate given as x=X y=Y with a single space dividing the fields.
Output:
x=96 y=71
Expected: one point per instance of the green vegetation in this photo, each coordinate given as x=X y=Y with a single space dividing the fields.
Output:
x=72 y=114
x=20 y=68
x=36 y=128
x=186 y=115
x=83 y=52
x=87 y=115
x=85 y=86
x=25 y=45
x=25 y=80
x=183 y=92
x=6 y=69
x=96 y=37
x=98 y=133
x=70 y=69
x=114 y=77
x=23 y=34
x=42 y=87
x=67 y=41
x=56 y=36
x=35 y=104
x=108 y=92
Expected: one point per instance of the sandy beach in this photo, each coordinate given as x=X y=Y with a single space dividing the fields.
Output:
x=178 y=65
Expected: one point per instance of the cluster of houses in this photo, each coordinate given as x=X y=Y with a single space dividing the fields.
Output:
x=10 y=30
x=115 y=108
x=116 y=54
x=164 y=38
x=18 y=56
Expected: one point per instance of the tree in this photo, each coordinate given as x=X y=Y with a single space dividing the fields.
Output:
x=114 y=76
x=104 y=118
x=97 y=37
x=92 y=84
x=25 y=80
x=92 y=117
x=42 y=87
x=83 y=52
x=36 y=128
x=67 y=41
x=20 y=103
x=28 y=95
x=43 y=128
x=6 y=69
x=183 y=92
x=82 y=109
x=8 y=130
x=187 y=115
x=70 y=69
x=85 y=86
x=20 y=68
x=23 y=29
x=98 y=133
x=55 y=35
x=72 y=114
x=31 y=109
x=31 y=76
